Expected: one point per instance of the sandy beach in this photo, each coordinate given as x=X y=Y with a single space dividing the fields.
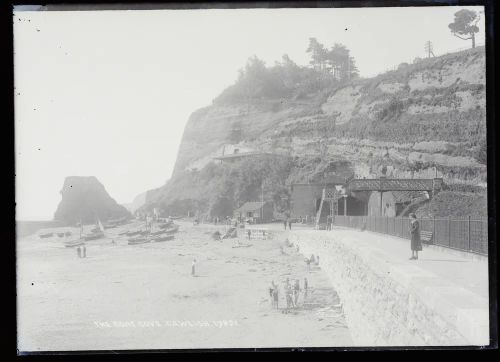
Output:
x=144 y=296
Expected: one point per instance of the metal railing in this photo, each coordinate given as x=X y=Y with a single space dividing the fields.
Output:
x=468 y=234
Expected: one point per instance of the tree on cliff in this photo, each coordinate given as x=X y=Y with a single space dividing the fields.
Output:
x=340 y=63
x=337 y=60
x=318 y=54
x=465 y=25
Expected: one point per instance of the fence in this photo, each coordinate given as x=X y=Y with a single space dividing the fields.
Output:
x=463 y=234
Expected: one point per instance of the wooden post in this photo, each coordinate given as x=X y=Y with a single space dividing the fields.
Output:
x=449 y=231
x=381 y=194
x=434 y=229
x=468 y=233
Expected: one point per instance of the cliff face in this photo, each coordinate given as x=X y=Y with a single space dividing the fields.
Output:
x=420 y=120
x=138 y=201
x=85 y=199
x=427 y=114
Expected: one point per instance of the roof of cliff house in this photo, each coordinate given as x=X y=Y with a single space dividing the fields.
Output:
x=244 y=154
x=386 y=184
x=251 y=206
x=408 y=196
x=329 y=180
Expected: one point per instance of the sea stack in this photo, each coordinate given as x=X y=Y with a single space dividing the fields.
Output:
x=84 y=199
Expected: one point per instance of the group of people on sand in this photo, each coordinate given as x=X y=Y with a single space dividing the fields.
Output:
x=288 y=222
x=81 y=251
x=312 y=261
x=291 y=291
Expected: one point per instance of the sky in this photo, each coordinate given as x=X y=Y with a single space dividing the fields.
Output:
x=108 y=93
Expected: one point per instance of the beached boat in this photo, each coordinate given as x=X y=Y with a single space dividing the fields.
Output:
x=144 y=232
x=61 y=235
x=93 y=236
x=172 y=230
x=68 y=233
x=47 y=235
x=138 y=240
x=162 y=238
x=165 y=225
x=159 y=232
x=73 y=243
x=132 y=233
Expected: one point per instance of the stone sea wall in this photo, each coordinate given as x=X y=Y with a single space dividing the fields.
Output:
x=386 y=305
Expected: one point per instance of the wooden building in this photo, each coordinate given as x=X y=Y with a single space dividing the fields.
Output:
x=256 y=212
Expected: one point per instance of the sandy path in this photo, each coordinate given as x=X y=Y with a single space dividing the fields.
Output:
x=140 y=297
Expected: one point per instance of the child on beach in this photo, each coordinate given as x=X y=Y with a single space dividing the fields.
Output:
x=296 y=291
x=193 y=266
x=275 y=295
x=288 y=295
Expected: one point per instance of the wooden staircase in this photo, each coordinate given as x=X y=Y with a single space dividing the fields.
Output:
x=318 y=214
x=330 y=195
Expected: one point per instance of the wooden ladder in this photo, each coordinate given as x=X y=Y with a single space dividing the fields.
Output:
x=318 y=214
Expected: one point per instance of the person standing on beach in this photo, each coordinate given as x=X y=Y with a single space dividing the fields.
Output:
x=275 y=295
x=290 y=224
x=296 y=292
x=193 y=267
x=416 y=244
x=305 y=288
x=287 y=295
x=285 y=222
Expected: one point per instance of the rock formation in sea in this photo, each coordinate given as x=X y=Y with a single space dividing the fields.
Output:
x=84 y=199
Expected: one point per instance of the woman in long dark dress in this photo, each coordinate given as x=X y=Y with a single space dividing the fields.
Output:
x=416 y=244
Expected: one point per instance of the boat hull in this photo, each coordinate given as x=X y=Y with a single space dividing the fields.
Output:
x=93 y=236
x=162 y=238
x=74 y=243
x=138 y=241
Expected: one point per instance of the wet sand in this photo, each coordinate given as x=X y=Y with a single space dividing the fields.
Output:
x=144 y=296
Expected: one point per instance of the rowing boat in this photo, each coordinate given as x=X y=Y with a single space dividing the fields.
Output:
x=162 y=238
x=172 y=230
x=73 y=243
x=138 y=240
